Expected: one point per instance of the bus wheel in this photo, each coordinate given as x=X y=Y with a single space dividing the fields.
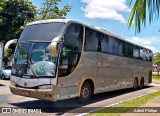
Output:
x=85 y=93
x=142 y=83
x=135 y=84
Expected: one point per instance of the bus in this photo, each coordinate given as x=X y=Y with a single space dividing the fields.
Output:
x=58 y=59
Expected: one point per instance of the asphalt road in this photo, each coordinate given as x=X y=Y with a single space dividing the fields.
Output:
x=69 y=107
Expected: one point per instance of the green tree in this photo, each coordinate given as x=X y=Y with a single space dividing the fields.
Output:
x=8 y=57
x=14 y=14
x=139 y=12
x=50 y=10
x=156 y=59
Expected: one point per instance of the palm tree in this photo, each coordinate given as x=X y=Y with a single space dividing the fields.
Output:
x=139 y=12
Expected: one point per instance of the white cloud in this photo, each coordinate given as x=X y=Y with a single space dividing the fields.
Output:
x=145 y=41
x=148 y=42
x=105 y=9
x=141 y=40
x=152 y=48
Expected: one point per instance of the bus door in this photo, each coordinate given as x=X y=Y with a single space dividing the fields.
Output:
x=68 y=61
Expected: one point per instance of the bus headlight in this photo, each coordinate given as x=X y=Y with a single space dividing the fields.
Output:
x=50 y=72
x=46 y=87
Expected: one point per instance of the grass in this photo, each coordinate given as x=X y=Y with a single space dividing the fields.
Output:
x=156 y=77
x=125 y=106
x=155 y=73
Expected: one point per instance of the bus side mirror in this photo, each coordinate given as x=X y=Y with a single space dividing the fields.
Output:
x=53 y=46
x=13 y=41
x=53 y=49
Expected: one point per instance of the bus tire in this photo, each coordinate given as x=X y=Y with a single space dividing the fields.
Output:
x=141 y=83
x=85 y=93
x=135 y=87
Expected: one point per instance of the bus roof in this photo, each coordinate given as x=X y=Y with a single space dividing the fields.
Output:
x=49 y=21
x=92 y=27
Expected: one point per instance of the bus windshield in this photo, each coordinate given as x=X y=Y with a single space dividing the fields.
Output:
x=33 y=60
x=42 y=32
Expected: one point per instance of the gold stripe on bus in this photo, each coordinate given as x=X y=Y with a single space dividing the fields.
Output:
x=84 y=30
x=81 y=83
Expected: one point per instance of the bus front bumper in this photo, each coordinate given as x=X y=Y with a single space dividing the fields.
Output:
x=46 y=94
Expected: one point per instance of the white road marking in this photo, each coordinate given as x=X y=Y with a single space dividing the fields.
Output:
x=82 y=114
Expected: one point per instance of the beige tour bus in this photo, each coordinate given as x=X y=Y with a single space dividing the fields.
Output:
x=59 y=59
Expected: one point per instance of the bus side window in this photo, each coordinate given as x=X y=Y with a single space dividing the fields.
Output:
x=72 y=49
x=143 y=54
x=91 y=41
x=150 y=54
x=136 y=52
x=119 y=47
x=128 y=50
x=65 y=62
x=104 y=43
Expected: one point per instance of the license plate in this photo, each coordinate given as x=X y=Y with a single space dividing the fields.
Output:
x=25 y=93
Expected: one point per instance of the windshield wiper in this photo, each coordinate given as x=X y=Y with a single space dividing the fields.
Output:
x=23 y=68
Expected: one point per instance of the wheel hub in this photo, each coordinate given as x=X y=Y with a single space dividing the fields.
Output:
x=85 y=92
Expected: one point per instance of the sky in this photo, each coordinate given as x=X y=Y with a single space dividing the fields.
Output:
x=111 y=15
